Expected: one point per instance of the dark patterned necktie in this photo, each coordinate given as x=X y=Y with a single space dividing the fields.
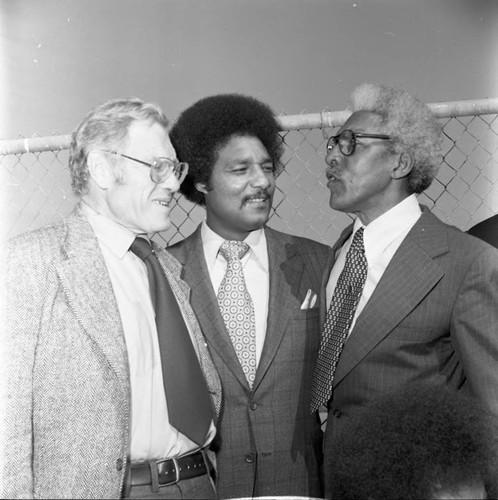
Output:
x=187 y=396
x=340 y=315
x=237 y=308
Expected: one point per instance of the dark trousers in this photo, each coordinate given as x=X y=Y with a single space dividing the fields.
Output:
x=201 y=487
x=187 y=477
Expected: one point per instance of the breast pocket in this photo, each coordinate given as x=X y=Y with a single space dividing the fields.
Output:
x=421 y=325
x=306 y=325
x=307 y=314
x=411 y=334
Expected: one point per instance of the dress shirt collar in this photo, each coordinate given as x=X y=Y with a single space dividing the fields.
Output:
x=112 y=235
x=212 y=241
x=385 y=229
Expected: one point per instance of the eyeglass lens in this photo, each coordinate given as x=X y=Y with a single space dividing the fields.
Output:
x=162 y=168
x=346 y=140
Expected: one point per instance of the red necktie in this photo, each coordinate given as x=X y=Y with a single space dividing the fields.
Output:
x=189 y=404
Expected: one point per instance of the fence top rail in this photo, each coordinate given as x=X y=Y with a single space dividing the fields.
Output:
x=303 y=121
x=446 y=109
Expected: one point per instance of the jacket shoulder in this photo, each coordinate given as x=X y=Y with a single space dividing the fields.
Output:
x=42 y=243
x=180 y=249
x=302 y=244
x=459 y=239
x=437 y=237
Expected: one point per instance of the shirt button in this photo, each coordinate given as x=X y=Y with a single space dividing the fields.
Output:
x=337 y=413
x=249 y=458
x=119 y=464
x=253 y=405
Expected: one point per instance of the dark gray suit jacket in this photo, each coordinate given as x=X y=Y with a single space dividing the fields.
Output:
x=487 y=230
x=268 y=444
x=433 y=317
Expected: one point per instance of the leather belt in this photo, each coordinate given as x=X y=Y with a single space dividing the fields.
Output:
x=169 y=471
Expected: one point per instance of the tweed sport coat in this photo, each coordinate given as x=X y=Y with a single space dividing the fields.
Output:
x=267 y=442
x=433 y=317
x=66 y=417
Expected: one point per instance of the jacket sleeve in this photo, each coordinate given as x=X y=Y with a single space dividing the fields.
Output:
x=474 y=326
x=25 y=290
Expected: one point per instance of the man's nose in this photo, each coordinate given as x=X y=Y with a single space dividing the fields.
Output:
x=171 y=183
x=332 y=155
x=260 y=178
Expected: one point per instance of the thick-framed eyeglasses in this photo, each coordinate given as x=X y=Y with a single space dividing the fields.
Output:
x=160 y=168
x=347 y=141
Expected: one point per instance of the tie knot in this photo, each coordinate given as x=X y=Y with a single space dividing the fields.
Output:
x=233 y=250
x=357 y=243
x=141 y=248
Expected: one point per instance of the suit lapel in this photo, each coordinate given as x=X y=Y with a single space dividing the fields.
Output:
x=182 y=291
x=205 y=305
x=172 y=269
x=285 y=277
x=85 y=280
x=409 y=277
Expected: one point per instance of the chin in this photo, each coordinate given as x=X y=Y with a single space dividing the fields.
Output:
x=257 y=223
x=337 y=205
x=334 y=205
x=158 y=228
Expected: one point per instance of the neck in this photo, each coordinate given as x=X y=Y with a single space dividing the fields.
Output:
x=369 y=214
x=229 y=234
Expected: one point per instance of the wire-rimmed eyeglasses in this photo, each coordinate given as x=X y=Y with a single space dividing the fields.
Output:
x=347 y=140
x=161 y=167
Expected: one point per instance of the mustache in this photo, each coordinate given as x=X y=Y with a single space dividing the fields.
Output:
x=262 y=193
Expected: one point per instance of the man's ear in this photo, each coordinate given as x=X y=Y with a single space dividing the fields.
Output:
x=404 y=166
x=201 y=187
x=101 y=170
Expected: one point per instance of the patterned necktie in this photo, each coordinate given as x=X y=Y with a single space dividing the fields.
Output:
x=187 y=396
x=237 y=308
x=340 y=315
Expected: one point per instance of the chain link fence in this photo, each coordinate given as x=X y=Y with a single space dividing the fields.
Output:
x=35 y=188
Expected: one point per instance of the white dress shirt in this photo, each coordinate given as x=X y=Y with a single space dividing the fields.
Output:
x=152 y=436
x=256 y=274
x=382 y=237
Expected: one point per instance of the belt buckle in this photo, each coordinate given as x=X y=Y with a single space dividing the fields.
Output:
x=177 y=474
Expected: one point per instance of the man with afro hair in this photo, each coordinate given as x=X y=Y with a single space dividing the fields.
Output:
x=268 y=443
x=422 y=441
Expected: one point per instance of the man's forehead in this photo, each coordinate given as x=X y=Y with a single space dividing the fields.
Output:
x=147 y=134
x=363 y=121
x=139 y=128
x=244 y=146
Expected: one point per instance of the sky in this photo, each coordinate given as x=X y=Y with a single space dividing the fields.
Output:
x=59 y=58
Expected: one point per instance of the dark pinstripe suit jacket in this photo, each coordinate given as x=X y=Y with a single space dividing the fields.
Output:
x=433 y=317
x=487 y=230
x=269 y=443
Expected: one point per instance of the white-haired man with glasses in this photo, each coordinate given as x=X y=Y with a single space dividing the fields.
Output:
x=406 y=298
x=108 y=390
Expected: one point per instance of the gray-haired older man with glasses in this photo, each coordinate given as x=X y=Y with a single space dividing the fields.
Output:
x=108 y=390
x=406 y=298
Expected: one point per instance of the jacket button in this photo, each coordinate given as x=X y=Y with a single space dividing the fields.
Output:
x=253 y=405
x=337 y=413
x=119 y=464
x=249 y=458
